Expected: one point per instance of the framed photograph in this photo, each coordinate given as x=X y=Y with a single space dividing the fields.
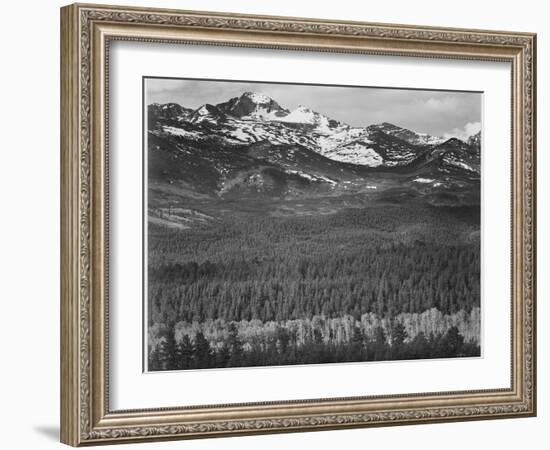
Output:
x=275 y=224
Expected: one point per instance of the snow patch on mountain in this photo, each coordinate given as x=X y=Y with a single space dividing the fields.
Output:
x=239 y=133
x=257 y=97
x=406 y=135
x=203 y=111
x=457 y=163
x=302 y=115
x=340 y=136
x=426 y=139
x=357 y=153
x=322 y=123
x=310 y=177
x=261 y=113
x=180 y=132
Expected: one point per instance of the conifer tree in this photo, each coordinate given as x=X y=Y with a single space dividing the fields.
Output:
x=154 y=362
x=168 y=350
x=235 y=346
x=398 y=336
x=380 y=344
x=185 y=353
x=202 y=351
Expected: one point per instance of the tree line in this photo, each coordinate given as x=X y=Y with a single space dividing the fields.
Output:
x=197 y=352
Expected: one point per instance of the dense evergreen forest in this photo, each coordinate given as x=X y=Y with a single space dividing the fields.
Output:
x=171 y=354
x=371 y=283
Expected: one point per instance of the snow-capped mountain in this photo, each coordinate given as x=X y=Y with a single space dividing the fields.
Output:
x=253 y=106
x=256 y=117
x=305 y=115
x=253 y=143
x=407 y=135
x=171 y=111
x=475 y=141
x=455 y=154
x=208 y=113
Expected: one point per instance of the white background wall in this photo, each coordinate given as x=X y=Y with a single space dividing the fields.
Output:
x=29 y=231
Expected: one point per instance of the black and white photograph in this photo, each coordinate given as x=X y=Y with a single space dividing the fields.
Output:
x=294 y=224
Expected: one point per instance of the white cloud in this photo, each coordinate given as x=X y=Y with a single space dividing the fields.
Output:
x=445 y=104
x=464 y=133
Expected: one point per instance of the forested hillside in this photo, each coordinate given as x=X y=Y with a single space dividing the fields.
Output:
x=313 y=285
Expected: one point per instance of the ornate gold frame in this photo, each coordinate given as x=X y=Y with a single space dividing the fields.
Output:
x=86 y=31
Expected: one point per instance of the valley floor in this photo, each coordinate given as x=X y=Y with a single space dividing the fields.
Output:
x=239 y=283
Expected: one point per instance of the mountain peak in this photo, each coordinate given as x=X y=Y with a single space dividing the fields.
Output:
x=169 y=110
x=454 y=140
x=206 y=112
x=256 y=97
x=406 y=135
x=387 y=125
x=207 y=109
x=304 y=115
x=252 y=105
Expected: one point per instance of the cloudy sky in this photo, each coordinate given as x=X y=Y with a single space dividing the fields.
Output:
x=439 y=113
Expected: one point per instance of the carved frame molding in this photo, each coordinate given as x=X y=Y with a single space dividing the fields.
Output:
x=86 y=31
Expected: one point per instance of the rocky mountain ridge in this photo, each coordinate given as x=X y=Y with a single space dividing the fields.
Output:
x=251 y=145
